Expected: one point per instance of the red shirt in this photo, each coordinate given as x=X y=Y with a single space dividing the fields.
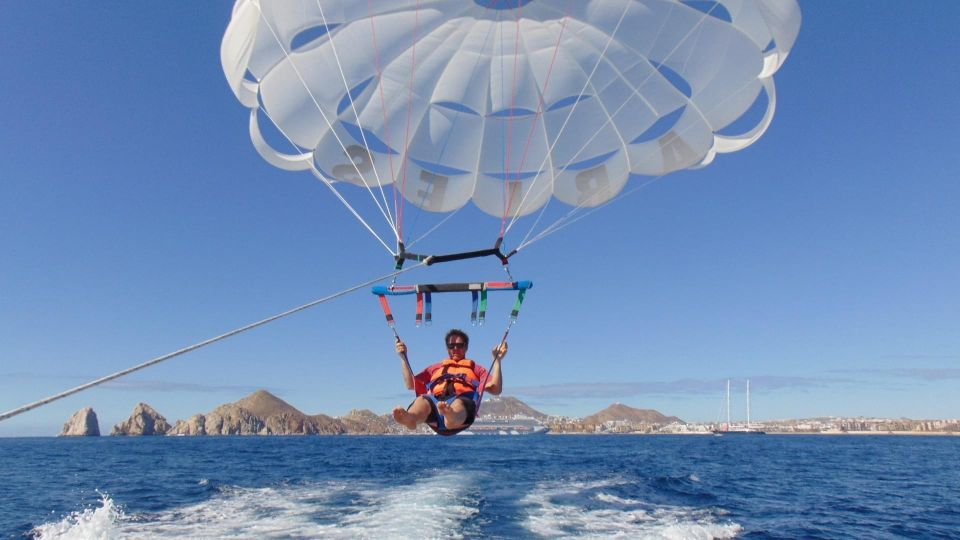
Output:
x=420 y=380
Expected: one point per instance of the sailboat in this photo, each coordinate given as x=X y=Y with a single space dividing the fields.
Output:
x=730 y=429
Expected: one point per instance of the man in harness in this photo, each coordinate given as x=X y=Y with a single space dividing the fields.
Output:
x=449 y=392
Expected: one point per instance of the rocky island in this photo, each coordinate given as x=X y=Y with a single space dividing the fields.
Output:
x=83 y=423
x=144 y=421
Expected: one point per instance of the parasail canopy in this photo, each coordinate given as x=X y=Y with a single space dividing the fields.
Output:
x=503 y=103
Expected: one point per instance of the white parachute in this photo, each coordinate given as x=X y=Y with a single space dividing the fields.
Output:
x=504 y=103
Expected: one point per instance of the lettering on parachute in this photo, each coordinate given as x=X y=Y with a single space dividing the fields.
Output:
x=593 y=185
x=432 y=189
x=677 y=154
x=361 y=161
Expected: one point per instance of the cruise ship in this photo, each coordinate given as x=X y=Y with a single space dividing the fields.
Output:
x=498 y=425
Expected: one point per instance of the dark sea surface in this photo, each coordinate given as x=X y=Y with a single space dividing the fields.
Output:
x=470 y=487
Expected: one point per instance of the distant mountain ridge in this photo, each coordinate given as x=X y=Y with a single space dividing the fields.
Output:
x=508 y=407
x=262 y=413
x=623 y=413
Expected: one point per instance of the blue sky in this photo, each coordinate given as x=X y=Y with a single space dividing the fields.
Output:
x=823 y=262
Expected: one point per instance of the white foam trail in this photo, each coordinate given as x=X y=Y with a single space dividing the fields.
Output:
x=91 y=523
x=433 y=506
x=605 y=497
x=551 y=515
x=436 y=507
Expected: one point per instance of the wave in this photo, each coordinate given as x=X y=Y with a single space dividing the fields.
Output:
x=444 y=504
x=333 y=510
x=599 y=509
x=83 y=525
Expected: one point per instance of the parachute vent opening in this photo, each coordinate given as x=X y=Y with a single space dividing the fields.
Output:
x=274 y=136
x=458 y=107
x=311 y=37
x=750 y=118
x=247 y=76
x=368 y=138
x=502 y=4
x=568 y=101
x=661 y=127
x=352 y=95
x=513 y=113
x=675 y=79
x=589 y=163
x=714 y=9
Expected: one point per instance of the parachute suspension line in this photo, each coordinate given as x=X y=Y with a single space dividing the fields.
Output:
x=506 y=190
x=356 y=115
x=412 y=226
x=514 y=313
x=383 y=108
x=437 y=226
x=573 y=107
x=330 y=185
x=540 y=106
x=610 y=117
x=316 y=104
x=406 y=143
x=221 y=337
x=568 y=219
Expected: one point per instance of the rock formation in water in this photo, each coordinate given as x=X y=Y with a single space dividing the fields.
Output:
x=143 y=421
x=83 y=423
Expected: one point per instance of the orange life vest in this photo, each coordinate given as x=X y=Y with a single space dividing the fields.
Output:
x=460 y=373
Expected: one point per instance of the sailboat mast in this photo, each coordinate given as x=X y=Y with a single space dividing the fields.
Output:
x=748 y=403
x=728 y=404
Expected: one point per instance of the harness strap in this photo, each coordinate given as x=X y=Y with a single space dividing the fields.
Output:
x=483 y=305
x=517 y=304
x=448 y=377
x=440 y=428
x=385 y=304
x=473 y=310
x=428 y=310
x=419 y=308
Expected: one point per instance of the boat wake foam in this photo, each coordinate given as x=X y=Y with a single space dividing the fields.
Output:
x=594 y=509
x=330 y=510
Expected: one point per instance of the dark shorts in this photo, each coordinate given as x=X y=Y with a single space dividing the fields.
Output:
x=468 y=403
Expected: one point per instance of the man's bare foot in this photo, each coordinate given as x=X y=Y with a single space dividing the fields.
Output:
x=404 y=418
x=447 y=412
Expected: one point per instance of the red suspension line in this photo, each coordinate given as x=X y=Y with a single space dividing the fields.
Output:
x=413 y=70
x=397 y=201
x=513 y=102
x=546 y=84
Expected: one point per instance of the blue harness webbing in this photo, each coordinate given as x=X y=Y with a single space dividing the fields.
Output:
x=440 y=428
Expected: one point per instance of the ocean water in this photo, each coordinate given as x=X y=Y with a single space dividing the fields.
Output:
x=472 y=487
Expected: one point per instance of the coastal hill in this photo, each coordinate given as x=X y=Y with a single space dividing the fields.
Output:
x=260 y=413
x=622 y=413
x=501 y=406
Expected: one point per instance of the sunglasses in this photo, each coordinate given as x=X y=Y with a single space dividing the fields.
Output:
x=456 y=345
